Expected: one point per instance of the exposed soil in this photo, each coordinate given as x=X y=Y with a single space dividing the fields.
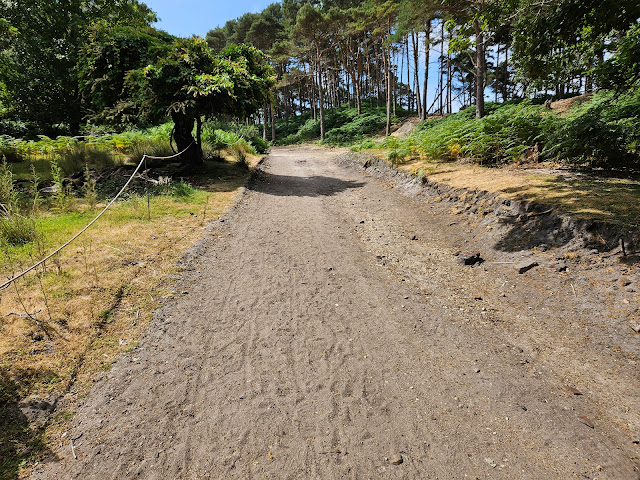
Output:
x=329 y=328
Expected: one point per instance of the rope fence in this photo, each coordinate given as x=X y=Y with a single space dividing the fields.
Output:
x=6 y=285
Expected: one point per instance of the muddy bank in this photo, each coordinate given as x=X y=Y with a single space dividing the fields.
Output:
x=525 y=224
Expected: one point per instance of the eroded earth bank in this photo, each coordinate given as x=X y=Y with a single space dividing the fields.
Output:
x=328 y=329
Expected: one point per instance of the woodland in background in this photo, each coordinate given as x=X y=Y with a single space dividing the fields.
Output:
x=82 y=67
x=355 y=54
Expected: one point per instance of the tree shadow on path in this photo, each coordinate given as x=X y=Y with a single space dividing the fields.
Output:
x=294 y=186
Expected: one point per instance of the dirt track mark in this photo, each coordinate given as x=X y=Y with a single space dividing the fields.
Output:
x=311 y=345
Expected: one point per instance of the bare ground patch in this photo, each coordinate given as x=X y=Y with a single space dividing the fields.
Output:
x=65 y=324
x=327 y=329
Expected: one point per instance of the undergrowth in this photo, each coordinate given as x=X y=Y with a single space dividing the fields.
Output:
x=343 y=126
x=103 y=151
x=603 y=132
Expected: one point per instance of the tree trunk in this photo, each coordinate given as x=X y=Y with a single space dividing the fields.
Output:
x=409 y=96
x=480 y=70
x=182 y=135
x=427 y=45
x=415 y=74
x=449 y=106
x=441 y=84
x=386 y=63
x=199 y=136
x=320 y=95
x=264 y=122
x=273 y=123
x=506 y=95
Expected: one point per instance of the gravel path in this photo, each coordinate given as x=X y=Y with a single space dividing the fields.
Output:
x=327 y=331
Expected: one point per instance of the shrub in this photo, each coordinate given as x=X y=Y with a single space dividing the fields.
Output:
x=62 y=190
x=396 y=156
x=603 y=133
x=17 y=230
x=80 y=154
x=364 y=145
x=89 y=189
x=261 y=146
x=8 y=194
x=155 y=147
x=182 y=189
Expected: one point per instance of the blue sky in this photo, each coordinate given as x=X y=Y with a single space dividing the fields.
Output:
x=184 y=18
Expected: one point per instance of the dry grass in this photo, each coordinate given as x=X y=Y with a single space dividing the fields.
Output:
x=94 y=301
x=585 y=196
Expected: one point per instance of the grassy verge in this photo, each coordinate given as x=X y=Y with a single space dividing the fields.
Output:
x=67 y=322
x=580 y=155
x=597 y=132
x=585 y=196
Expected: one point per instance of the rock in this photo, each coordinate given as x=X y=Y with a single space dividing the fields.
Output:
x=37 y=410
x=525 y=267
x=414 y=238
x=396 y=459
x=491 y=462
x=470 y=259
x=52 y=190
x=623 y=282
x=635 y=327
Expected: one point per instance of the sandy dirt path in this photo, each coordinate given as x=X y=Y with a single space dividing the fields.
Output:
x=325 y=331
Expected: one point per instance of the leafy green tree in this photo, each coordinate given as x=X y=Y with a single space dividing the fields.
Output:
x=472 y=22
x=105 y=68
x=556 y=41
x=7 y=36
x=622 y=69
x=43 y=81
x=190 y=83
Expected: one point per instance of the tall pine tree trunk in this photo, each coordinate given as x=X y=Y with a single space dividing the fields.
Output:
x=427 y=46
x=441 y=83
x=409 y=95
x=273 y=123
x=416 y=80
x=320 y=93
x=480 y=69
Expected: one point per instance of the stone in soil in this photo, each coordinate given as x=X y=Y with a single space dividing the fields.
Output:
x=396 y=459
x=525 y=267
x=470 y=259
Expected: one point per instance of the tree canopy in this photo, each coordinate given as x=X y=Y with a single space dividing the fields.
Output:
x=340 y=51
x=39 y=65
x=65 y=63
